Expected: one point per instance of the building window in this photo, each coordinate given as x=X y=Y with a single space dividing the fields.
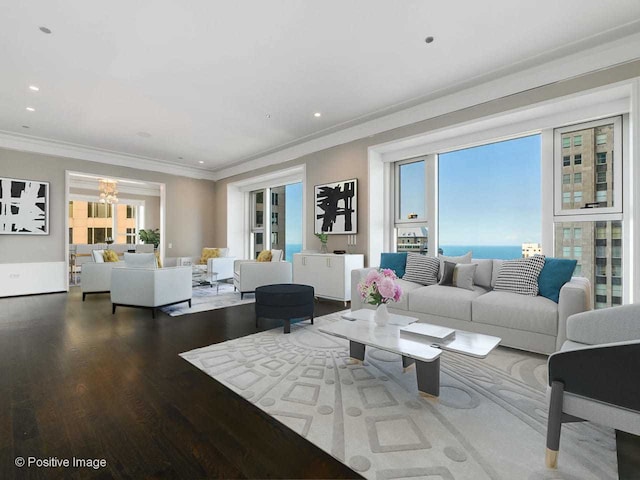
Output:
x=566 y=142
x=131 y=236
x=98 y=234
x=566 y=178
x=566 y=197
x=566 y=252
x=577 y=178
x=601 y=139
x=71 y=209
x=566 y=232
x=577 y=233
x=274 y=238
x=70 y=235
x=274 y=218
x=131 y=211
x=577 y=159
x=601 y=177
x=566 y=161
x=577 y=252
x=577 y=141
x=577 y=198
x=601 y=196
x=601 y=158
x=99 y=210
x=274 y=200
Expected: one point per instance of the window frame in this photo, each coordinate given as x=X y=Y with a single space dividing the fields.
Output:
x=416 y=222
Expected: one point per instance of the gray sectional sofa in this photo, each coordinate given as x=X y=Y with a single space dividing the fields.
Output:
x=536 y=324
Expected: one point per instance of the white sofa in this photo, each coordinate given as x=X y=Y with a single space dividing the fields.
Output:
x=150 y=287
x=536 y=324
x=250 y=274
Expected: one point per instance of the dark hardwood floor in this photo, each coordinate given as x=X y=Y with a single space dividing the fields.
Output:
x=76 y=381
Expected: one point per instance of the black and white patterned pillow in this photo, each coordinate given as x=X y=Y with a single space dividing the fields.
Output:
x=421 y=269
x=520 y=275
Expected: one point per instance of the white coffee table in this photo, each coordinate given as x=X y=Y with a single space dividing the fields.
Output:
x=410 y=342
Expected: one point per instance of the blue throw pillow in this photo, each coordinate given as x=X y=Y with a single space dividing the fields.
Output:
x=394 y=261
x=555 y=273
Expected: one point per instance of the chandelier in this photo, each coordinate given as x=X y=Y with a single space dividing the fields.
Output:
x=108 y=191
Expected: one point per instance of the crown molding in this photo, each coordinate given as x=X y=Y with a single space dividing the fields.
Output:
x=25 y=143
x=606 y=55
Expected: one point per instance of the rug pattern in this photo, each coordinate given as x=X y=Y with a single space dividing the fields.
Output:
x=488 y=423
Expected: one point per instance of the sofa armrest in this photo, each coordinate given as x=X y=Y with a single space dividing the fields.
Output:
x=222 y=265
x=256 y=274
x=602 y=372
x=575 y=297
x=150 y=287
x=357 y=275
x=615 y=324
x=96 y=277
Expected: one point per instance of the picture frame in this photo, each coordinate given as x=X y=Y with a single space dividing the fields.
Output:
x=24 y=207
x=336 y=207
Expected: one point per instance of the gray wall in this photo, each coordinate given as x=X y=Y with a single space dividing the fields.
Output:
x=189 y=225
x=351 y=159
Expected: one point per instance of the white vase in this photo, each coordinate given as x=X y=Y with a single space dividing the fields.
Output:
x=381 y=315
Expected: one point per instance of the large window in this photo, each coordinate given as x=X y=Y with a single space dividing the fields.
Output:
x=411 y=181
x=589 y=224
x=489 y=199
x=284 y=231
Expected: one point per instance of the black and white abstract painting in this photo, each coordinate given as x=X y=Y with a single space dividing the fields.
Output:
x=336 y=208
x=24 y=207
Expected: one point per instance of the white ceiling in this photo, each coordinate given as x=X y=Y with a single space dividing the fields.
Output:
x=200 y=77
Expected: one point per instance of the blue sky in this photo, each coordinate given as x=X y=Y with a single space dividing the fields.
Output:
x=490 y=195
x=293 y=223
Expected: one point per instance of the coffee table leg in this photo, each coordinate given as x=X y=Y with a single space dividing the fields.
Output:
x=406 y=363
x=287 y=326
x=428 y=375
x=356 y=350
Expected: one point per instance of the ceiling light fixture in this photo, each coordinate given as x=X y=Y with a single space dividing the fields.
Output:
x=317 y=114
x=31 y=109
x=200 y=161
x=45 y=30
x=429 y=39
x=34 y=88
x=108 y=191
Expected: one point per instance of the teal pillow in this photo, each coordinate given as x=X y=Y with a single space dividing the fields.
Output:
x=394 y=261
x=555 y=273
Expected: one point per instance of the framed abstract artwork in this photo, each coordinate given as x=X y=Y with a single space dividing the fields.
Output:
x=336 y=207
x=24 y=207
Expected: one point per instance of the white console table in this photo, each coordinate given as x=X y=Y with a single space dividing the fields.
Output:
x=329 y=274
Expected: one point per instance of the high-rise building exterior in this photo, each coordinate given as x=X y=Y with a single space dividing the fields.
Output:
x=587 y=182
x=530 y=249
x=93 y=222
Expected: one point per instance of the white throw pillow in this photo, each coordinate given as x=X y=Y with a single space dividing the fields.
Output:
x=421 y=269
x=276 y=255
x=98 y=256
x=520 y=275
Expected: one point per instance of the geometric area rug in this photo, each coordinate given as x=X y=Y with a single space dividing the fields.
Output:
x=488 y=423
x=209 y=298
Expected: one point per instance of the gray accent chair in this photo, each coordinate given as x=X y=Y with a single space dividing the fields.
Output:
x=594 y=377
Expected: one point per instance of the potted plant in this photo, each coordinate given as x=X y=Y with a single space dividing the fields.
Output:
x=150 y=236
x=323 y=237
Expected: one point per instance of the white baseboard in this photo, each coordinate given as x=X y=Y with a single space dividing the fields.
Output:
x=31 y=278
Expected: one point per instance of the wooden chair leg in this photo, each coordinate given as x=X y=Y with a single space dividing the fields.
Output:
x=554 y=424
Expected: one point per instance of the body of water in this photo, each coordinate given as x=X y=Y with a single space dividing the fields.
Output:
x=503 y=252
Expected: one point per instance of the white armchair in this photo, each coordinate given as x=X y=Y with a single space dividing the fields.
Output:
x=249 y=274
x=222 y=265
x=96 y=277
x=150 y=288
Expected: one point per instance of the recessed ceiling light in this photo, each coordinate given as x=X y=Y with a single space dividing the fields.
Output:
x=45 y=30
x=268 y=115
x=317 y=114
x=429 y=39
x=34 y=88
x=31 y=109
x=200 y=161
x=144 y=134
x=180 y=158
x=26 y=126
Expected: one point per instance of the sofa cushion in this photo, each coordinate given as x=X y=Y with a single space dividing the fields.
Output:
x=521 y=275
x=277 y=255
x=482 y=276
x=444 y=301
x=555 y=273
x=458 y=275
x=421 y=269
x=466 y=258
x=394 y=261
x=98 y=256
x=520 y=312
x=406 y=287
x=140 y=260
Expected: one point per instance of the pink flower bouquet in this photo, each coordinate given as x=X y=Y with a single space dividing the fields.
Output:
x=379 y=286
